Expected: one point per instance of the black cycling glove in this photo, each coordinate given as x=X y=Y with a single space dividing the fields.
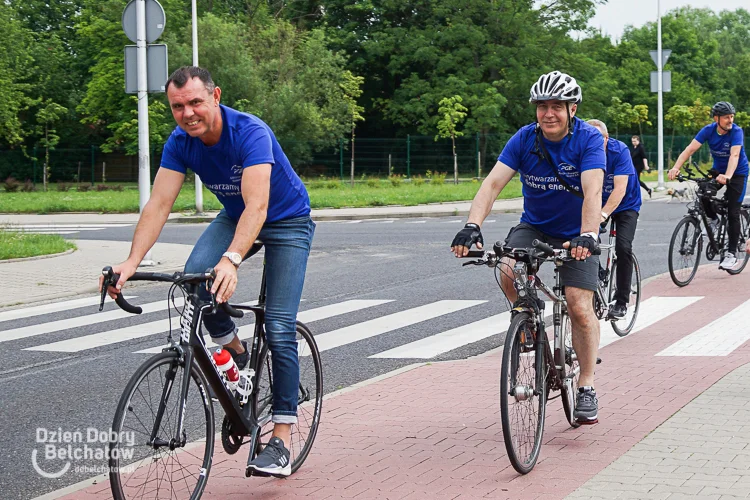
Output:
x=468 y=236
x=587 y=242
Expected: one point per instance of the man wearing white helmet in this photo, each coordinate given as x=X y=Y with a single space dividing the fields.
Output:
x=561 y=162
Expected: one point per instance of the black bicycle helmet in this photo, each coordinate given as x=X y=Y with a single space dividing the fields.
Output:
x=722 y=108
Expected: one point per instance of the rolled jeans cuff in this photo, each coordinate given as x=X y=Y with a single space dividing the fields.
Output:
x=226 y=338
x=281 y=418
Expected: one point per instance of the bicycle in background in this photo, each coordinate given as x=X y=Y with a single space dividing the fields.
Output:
x=686 y=244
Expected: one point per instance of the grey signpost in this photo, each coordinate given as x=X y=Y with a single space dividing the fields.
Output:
x=143 y=22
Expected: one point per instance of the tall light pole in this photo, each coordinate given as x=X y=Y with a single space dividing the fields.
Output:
x=144 y=161
x=198 y=183
x=660 y=99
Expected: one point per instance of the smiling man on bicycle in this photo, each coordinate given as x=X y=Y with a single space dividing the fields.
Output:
x=561 y=161
x=621 y=195
x=730 y=167
x=238 y=158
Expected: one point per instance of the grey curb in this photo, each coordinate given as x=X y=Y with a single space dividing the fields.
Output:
x=38 y=257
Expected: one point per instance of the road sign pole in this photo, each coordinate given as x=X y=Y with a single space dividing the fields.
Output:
x=144 y=170
x=198 y=182
x=660 y=100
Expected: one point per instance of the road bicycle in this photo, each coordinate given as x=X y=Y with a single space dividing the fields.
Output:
x=531 y=369
x=686 y=244
x=164 y=428
x=604 y=296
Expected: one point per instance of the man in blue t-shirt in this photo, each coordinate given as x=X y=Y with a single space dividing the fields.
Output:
x=561 y=163
x=621 y=195
x=238 y=158
x=727 y=143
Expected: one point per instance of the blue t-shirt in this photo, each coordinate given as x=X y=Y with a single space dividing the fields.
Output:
x=721 y=144
x=245 y=141
x=620 y=163
x=547 y=205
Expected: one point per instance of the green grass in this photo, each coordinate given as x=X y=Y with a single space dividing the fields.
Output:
x=323 y=194
x=15 y=245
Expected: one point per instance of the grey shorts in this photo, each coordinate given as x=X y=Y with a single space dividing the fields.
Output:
x=575 y=273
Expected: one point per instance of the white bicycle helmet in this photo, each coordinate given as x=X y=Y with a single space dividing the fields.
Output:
x=556 y=86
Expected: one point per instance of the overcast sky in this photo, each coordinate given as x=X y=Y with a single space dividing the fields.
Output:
x=616 y=14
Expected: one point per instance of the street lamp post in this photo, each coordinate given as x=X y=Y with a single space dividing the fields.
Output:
x=198 y=183
x=660 y=99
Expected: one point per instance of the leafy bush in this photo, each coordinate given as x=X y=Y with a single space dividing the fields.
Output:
x=396 y=179
x=12 y=185
x=82 y=188
x=373 y=183
x=417 y=181
x=102 y=187
x=333 y=184
x=117 y=187
x=28 y=186
x=438 y=178
x=62 y=186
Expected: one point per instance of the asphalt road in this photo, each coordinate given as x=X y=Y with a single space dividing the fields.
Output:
x=404 y=261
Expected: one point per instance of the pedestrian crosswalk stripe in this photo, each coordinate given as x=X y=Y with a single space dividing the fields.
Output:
x=309 y=316
x=652 y=310
x=67 y=226
x=718 y=338
x=385 y=324
x=28 y=312
x=90 y=319
x=434 y=345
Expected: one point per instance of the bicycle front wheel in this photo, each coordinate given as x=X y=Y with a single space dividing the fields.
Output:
x=743 y=256
x=685 y=251
x=522 y=402
x=166 y=465
x=309 y=396
x=624 y=326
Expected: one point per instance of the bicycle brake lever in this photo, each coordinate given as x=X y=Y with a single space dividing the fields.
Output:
x=107 y=273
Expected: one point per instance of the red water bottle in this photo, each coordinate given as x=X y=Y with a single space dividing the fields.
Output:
x=226 y=364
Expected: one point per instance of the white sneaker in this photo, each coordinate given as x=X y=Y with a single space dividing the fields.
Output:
x=728 y=262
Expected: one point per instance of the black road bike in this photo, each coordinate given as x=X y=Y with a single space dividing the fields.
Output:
x=686 y=245
x=164 y=423
x=531 y=368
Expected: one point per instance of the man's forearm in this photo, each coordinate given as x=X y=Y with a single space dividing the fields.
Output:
x=591 y=215
x=482 y=204
x=248 y=227
x=613 y=202
x=147 y=231
x=732 y=165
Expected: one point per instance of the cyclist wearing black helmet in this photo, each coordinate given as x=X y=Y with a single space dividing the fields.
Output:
x=726 y=141
x=561 y=162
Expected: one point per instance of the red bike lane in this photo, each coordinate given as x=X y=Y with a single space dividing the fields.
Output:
x=434 y=431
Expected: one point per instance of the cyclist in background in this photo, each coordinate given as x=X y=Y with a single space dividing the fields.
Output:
x=621 y=196
x=561 y=162
x=726 y=141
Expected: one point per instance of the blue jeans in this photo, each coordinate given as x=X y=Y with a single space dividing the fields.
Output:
x=287 y=246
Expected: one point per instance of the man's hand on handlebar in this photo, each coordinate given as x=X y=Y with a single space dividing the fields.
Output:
x=673 y=173
x=582 y=247
x=466 y=237
x=226 y=280
x=125 y=270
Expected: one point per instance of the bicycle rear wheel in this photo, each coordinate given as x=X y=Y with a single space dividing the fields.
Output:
x=142 y=468
x=685 y=251
x=572 y=372
x=743 y=256
x=625 y=325
x=522 y=403
x=310 y=397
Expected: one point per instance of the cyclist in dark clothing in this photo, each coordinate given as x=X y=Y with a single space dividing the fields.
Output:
x=638 y=155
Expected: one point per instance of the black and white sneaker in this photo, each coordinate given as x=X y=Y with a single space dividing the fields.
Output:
x=587 y=406
x=273 y=460
x=618 y=310
x=240 y=359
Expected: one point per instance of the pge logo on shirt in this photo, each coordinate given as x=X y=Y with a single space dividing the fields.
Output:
x=236 y=169
x=567 y=170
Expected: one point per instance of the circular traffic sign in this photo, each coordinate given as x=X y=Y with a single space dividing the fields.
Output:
x=155 y=20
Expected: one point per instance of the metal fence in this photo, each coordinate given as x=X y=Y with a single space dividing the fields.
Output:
x=409 y=156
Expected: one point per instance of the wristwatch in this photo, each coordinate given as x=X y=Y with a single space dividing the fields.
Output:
x=233 y=257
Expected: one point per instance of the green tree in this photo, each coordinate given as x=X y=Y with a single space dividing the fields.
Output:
x=640 y=116
x=351 y=91
x=620 y=114
x=451 y=114
x=682 y=118
x=48 y=114
x=16 y=68
x=742 y=119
